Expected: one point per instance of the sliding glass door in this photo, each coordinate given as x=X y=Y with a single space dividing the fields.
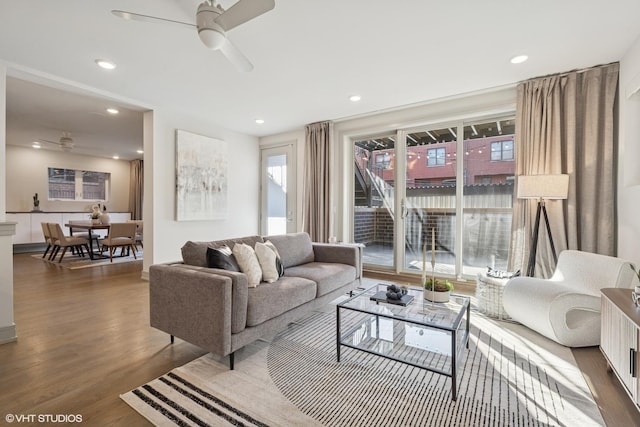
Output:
x=430 y=199
x=489 y=172
x=374 y=199
x=453 y=186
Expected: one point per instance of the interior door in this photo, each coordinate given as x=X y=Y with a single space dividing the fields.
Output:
x=278 y=191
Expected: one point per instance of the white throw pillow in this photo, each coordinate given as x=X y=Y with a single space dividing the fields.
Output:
x=248 y=262
x=267 y=259
x=279 y=266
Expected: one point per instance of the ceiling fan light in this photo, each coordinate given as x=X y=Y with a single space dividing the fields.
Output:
x=212 y=38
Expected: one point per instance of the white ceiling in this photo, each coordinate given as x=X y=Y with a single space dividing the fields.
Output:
x=309 y=56
x=36 y=112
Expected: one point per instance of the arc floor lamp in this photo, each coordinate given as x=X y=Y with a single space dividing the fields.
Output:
x=542 y=187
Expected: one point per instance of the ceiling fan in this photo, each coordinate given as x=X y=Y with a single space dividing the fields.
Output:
x=212 y=23
x=65 y=143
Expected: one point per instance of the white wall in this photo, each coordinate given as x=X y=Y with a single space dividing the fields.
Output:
x=27 y=170
x=7 y=326
x=243 y=171
x=629 y=156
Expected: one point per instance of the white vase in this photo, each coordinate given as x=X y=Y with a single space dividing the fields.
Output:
x=104 y=218
x=436 y=296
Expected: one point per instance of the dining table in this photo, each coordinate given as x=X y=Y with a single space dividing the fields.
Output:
x=90 y=227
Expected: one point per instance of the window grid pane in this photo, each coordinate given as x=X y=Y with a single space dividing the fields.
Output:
x=63 y=183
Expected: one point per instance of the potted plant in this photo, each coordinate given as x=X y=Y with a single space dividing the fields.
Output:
x=438 y=293
x=95 y=217
x=36 y=202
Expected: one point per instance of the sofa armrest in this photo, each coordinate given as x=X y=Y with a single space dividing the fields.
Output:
x=192 y=304
x=343 y=253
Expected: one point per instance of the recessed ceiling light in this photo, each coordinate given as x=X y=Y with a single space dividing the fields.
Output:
x=355 y=98
x=112 y=110
x=519 y=59
x=36 y=145
x=107 y=65
x=116 y=157
x=259 y=121
x=140 y=151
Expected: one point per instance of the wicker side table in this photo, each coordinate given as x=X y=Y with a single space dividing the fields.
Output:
x=489 y=295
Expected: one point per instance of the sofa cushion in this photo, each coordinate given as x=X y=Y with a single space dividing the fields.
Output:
x=223 y=258
x=272 y=299
x=328 y=276
x=248 y=262
x=294 y=249
x=195 y=253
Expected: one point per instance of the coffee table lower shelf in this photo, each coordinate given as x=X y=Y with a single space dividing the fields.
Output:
x=424 y=335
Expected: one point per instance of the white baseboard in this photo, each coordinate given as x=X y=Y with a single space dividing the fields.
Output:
x=8 y=334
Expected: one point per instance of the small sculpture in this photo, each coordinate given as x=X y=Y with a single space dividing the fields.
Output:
x=395 y=293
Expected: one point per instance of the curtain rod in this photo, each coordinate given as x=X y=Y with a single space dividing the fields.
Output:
x=566 y=73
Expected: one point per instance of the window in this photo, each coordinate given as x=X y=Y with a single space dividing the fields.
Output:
x=502 y=150
x=71 y=184
x=487 y=194
x=457 y=203
x=383 y=160
x=435 y=156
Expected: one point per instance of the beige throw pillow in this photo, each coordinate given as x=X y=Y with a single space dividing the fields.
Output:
x=248 y=262
x=267 y=259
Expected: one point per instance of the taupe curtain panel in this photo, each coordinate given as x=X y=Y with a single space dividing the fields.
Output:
x=317 y=170
x=568 y=124
x=136 y=188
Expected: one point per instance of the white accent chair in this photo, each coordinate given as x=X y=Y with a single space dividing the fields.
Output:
x=566 y=307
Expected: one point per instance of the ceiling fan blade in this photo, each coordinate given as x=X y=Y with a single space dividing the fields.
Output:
x=236 y=57
x=243 y=11
x=50 y=142
x=130 y=16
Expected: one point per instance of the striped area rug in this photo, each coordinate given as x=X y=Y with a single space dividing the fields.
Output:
x=509 y=377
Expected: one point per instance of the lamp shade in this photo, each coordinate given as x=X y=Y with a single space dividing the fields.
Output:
x=543 y=186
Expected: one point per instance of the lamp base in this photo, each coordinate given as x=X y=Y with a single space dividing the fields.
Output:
x=531 y=267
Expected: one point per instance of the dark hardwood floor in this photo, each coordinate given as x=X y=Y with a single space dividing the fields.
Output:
x=84 y=338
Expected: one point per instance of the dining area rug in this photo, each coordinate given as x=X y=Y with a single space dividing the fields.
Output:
x=76 y=262
x=510 y=376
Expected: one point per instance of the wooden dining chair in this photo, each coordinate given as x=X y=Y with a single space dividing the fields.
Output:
x=121 y=235
x=66 y=242
x=54 y=240
x=47 y=238
x=139 y=232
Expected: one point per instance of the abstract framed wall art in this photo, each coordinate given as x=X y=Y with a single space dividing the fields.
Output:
x=201 y=177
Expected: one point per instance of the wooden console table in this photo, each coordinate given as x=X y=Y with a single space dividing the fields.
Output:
x=619 y=336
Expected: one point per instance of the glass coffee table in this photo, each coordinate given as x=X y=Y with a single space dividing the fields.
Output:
x=423 y=334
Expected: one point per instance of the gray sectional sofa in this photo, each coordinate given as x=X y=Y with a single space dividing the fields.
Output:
x=217 y=310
